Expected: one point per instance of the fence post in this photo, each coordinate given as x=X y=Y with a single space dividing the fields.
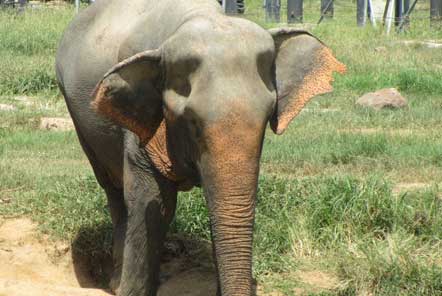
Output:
x=406 y=18
x=436 y=11
x=370 y=13
x=406 y=9
x=361 y=13
x=22 y=5
x=294 y=11
x=277 y=10
x=230 y=6
x=273 y=8
x=389 y=15
x=399 y=12
x=327 y=8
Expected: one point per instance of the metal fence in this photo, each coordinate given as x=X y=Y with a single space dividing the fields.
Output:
x=13 y=3
x=391 y=14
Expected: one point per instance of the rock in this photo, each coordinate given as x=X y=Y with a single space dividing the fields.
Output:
x=407 y=187
x=384 y=98
x=56 y=124
x=380 y=49
x=5 y=107
x=429 y=44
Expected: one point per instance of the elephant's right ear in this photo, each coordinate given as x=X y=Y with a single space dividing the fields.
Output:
x=304 y=68
x=130 y=94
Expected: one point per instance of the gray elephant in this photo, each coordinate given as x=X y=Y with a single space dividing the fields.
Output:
x=170 y=94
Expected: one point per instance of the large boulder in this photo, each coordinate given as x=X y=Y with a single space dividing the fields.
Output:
x=384 y=98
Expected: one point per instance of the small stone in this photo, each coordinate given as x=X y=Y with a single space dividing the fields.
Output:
x=56 y=124
x=5 y=107
x=380 y=49
x=384 y=98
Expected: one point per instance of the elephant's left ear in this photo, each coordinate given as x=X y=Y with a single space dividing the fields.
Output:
x=130 y=94
x=304 y=68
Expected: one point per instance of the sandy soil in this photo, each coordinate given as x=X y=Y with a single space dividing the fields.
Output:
x=31 y=264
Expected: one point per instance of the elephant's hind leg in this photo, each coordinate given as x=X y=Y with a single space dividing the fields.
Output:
x=150 y=200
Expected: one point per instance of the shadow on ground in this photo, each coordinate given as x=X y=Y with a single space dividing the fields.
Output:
x=186 y=268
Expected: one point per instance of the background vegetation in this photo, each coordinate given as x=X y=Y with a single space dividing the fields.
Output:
x=347 y=193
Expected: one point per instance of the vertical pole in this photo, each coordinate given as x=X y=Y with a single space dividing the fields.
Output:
x=22 y=5
x=77 y=5
x=361 y=12
x=277 y=10
x=273 y=8
x=398 y=12
x=327 y=8
x=294 y=11
x=230 y=6
x=389 y=14
x=269 y=11
x=406 y=9
x=406 y=18
x=370 y=12
x=436 y=11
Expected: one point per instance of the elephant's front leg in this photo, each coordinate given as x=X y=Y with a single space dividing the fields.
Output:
x=150 y=200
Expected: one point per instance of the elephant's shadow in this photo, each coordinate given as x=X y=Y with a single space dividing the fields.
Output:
x=186 y=268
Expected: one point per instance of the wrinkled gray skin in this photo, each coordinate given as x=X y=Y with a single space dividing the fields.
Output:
x=167 y=95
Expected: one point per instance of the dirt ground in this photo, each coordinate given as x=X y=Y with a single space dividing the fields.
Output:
x=30 y=264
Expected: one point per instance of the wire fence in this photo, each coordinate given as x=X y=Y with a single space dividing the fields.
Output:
x=314 y=12
x=344 y=11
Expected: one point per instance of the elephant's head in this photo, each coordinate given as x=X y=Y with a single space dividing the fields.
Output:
x=200 y=105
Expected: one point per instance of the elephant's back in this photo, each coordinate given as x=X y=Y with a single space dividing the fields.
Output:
x=85 y=53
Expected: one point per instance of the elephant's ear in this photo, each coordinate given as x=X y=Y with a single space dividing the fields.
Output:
x=130 y=96
x=304 y=68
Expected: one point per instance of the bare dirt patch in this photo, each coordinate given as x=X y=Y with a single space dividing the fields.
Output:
x=56 y=124
x=404 y=187
x=31 y=262
x=24 y=100
x=318 y=280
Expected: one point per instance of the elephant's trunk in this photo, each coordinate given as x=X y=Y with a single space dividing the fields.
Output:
x=232 y=232
x=231 y=202
x=229 y=177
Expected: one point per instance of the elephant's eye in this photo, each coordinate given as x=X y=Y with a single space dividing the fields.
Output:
x=181 y=86
x=179 y=74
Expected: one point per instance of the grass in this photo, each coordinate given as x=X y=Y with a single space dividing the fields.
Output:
x=327 y=199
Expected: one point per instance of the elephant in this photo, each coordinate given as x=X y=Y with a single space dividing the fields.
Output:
x=166 y=95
